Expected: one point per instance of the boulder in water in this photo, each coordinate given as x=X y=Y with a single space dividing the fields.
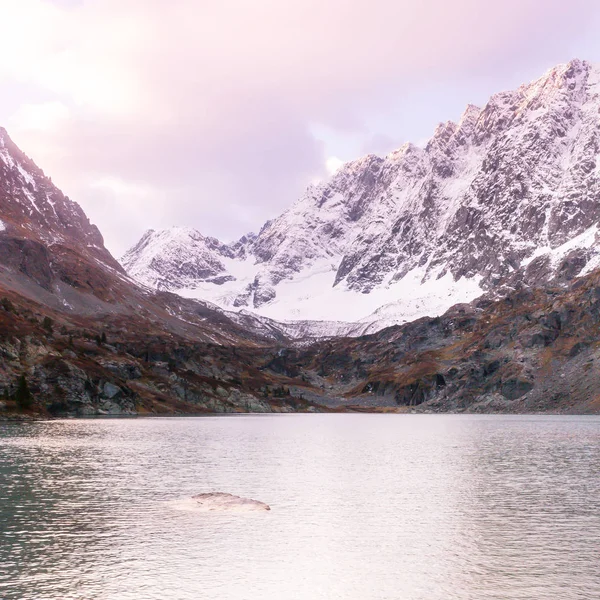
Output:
x=220 y=501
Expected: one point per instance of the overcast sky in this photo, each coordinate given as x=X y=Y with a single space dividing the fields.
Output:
x=217 y=114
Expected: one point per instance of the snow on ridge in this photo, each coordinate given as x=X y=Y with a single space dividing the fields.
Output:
x=37 y=207
x=390 y=239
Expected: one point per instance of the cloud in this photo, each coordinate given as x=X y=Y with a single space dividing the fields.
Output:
x=333 y=163
x=154 y=113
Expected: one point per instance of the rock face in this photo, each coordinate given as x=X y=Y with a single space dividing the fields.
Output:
x=122 y=363
x=221 y=502
x=508 y=194
x=47 y=240
x=534 y=350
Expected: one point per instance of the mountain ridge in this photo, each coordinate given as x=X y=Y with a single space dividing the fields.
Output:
x=89 y=340
x=484 y=204
x=33 y=207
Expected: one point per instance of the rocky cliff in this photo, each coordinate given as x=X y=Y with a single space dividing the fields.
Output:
x=534 y=350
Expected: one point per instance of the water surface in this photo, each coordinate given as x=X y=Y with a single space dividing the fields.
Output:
x=365 y=507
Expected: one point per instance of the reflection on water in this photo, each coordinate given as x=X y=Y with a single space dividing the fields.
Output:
x=407 y=507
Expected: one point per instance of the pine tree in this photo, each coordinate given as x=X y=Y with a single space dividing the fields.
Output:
x=47 y=324
x=23 y=396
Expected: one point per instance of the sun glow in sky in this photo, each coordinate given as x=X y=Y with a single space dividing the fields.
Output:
x=333 y=163
x=217 y=115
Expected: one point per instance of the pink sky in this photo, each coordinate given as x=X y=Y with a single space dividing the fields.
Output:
x=218 y=114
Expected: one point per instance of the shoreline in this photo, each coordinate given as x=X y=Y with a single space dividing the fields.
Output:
x=40 y=418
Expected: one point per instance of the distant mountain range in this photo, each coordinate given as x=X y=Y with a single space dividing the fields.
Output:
x=508 y=195
x=495 y=219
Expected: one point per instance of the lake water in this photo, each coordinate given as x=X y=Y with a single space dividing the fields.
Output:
x=402 y=507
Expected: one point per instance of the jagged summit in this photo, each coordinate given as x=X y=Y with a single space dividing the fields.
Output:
x=177 y=257
x=509 y=194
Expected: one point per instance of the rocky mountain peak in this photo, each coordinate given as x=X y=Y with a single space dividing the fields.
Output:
x=179 y=257
x=32 y=207
x=508 y=194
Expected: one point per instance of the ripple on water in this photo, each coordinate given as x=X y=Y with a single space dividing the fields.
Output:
x=411 y=507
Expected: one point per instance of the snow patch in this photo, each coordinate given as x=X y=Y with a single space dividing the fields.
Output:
x=587 y=239
x=6 y=157
x=27 y=177
x=311 y=297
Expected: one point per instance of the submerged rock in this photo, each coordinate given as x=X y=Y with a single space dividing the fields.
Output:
x=220 y=501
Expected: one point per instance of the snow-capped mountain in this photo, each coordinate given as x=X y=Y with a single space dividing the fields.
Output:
x=178 y=258
x=510 y=193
